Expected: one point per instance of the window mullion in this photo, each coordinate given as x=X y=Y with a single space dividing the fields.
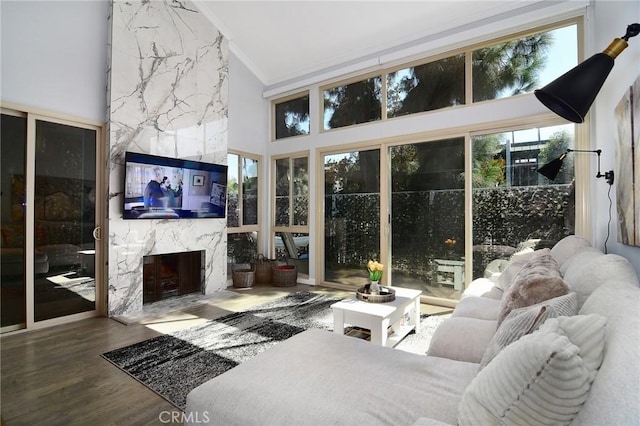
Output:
x=240 y=193
x=291 y=189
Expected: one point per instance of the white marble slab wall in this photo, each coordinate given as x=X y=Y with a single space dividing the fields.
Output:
x=168 y=96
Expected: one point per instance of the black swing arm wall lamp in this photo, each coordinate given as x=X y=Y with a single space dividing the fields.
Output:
x=571 y=95
x=552 y=168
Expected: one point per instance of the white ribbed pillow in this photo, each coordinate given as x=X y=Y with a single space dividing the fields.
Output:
x=542 y=379
x=526 y=320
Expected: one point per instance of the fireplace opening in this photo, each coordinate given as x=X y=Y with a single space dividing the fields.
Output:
x=171 y=275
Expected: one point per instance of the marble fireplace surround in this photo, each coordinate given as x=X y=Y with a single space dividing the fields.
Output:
x=167 y=96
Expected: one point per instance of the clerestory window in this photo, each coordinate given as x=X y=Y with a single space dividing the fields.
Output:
x=507 y=67
x=291 y=116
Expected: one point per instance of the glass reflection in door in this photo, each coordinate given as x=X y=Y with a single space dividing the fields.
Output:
x=13 y=141
x=352 y=215
x=64 y=219
x=427 y=217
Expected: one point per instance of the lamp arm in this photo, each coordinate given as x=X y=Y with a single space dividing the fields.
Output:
x=608 y=175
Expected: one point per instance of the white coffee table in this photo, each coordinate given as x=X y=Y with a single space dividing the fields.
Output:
x=378 y=317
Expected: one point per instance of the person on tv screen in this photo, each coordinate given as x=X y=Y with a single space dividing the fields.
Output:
x=169 y=193
x=153 y=194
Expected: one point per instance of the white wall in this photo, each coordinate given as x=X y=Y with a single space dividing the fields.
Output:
x=249 y=126
x=248 y=120
x=54 y=56
x=610 y=21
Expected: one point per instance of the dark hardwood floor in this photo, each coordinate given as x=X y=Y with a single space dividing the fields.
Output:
x=56 y=376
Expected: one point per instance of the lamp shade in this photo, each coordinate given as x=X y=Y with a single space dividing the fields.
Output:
x=552 y=168
x=571 y=95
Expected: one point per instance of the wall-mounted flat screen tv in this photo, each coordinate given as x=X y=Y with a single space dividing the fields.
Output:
x=170 y=188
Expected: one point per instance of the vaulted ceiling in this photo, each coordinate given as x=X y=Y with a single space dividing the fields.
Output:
x=280 y=41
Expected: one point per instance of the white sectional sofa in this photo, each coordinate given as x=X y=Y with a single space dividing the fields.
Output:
x=573 y=358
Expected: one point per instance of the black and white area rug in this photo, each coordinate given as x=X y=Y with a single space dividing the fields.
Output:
x=174 y=364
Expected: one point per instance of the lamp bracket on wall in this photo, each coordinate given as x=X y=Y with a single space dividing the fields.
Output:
x=608 y=176
x=552 y=168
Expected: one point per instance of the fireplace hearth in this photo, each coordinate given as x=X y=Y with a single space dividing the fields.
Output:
x=170 y=275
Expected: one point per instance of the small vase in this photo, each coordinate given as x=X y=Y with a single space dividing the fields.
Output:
x=374 y=288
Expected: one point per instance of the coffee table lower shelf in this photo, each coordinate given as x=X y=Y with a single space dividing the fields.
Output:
x=399 y=334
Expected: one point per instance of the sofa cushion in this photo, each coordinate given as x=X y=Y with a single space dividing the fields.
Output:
x=477 y=307
x=516 y=262
x=462 y=339
x=482 y=287
x=321 y=378
x=537 y=281
x=615 y=393
x=584 y=278
x=567 y=247
x=580 y=259
x=523 y=321
x=543 y=378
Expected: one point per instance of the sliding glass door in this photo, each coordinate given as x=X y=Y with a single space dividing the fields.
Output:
x=428 y=217
x=64 y=219
x=49 y=220
x=451 y=218
x=514 y=207
x=351 y=215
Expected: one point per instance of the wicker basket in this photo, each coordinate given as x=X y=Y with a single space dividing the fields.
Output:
x=243 y=278
x=285 y=276
x=263 y=268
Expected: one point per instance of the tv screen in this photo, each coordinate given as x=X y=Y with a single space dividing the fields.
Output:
x=170 y=188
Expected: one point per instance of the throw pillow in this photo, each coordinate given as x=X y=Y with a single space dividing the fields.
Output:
x=542 y=379
x=537 y=281
x=516 y=262
x=523 y=321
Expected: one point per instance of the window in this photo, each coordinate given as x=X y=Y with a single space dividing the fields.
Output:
x=510 y=207
x=435 y=207
x=292 y=191
x=515 y=207
x=291 y=116
x=353 y=103
x=521 y=65
x=291 y=211
x=426 y=87
x=243 y=207
x=510 y=67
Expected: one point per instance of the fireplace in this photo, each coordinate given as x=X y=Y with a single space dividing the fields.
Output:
x=172 y=274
